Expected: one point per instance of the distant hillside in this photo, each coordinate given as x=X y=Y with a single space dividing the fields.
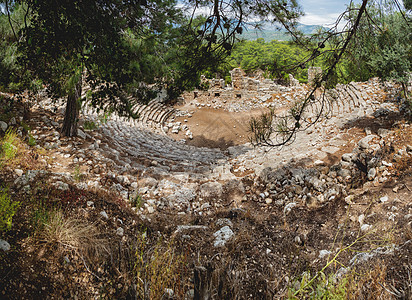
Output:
x=270 y=32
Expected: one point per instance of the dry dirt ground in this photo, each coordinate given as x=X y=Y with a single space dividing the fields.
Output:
x=214 y=128
x=273 y=255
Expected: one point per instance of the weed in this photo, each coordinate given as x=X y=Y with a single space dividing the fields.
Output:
x=324 y=287
x=40 y=216
x=8 y=209
x=77 y=175
x=25 y=126
x=321 y=286
x=136 y=201
x=104 y=117
x=89 y=125
x=10 y=145
x=261 y=128
x=31 y=140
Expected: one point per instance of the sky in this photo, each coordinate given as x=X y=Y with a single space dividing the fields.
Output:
x=317 y=12
x=322 y=12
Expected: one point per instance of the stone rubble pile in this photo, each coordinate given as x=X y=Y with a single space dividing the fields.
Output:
x=290 y=186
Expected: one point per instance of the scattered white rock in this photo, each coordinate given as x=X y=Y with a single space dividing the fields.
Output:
x=365 y=227
x=181 y=228
x=372 y=174
x=224 y=222
x=319 y=163
x=19 y=172
x=383 y=199
x=324 y=253
x=364 y=143
x=349 y=199
x=3 y=125
x=289 y=207
x=61 y=185
x=168 y=294
x=222 y=236
x=386 y=164
x=347 y=157
x=5 y=246
x=211 y=189
x=81 y=134
x=104 y=214
x=361 y=218
x=408 y=216
x=120 y=231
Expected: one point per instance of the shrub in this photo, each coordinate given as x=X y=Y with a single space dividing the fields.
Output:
x=77 y=174
x=89 y=125
x=10 y=145
x=136 y=201
x=103 y=118
x=8 y=209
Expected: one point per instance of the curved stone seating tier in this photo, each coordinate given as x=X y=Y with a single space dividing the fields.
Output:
x=151 y=116
x=348 y=102
x=142 y=149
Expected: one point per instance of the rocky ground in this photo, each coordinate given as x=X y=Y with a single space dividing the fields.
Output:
x=102 y=214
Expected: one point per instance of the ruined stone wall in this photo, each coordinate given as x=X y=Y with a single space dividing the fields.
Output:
x=237 y=78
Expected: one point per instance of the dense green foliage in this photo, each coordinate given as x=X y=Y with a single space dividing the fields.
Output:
x=112 y=40
x=382 y=48
x=10 y=79
x=8 y=209
x=276 y=59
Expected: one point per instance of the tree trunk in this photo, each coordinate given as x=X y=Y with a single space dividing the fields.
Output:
x=405 y=90
x=71 y=115
x=202 y=283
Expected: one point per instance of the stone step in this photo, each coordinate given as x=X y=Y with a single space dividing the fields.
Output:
x=148 y=117
x=155 y=112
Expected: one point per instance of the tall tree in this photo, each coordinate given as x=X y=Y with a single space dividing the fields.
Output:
x=382 y=48
x=110 y=44
x=10 y=23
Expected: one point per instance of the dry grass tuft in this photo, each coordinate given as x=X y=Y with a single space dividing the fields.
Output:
x=159 y=270
x=68 y=234
x=369 y=285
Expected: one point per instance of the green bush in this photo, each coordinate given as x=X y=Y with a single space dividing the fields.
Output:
x=89 y=125
x=136 y=201
x=31 y=141
x=103 y=118
x=8 y=209
x=10 y=145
